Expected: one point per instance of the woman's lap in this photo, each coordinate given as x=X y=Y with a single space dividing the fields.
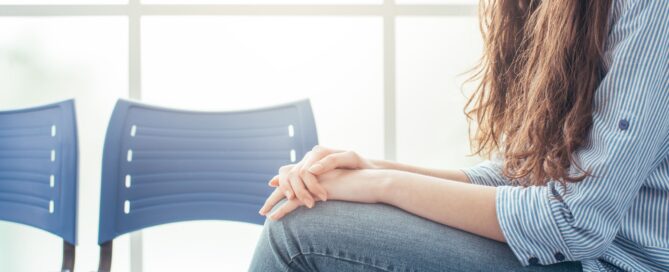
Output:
x=345 y=236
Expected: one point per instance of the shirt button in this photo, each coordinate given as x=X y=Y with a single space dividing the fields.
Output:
x=623 y=124
x=559 y=256
x=534 y=261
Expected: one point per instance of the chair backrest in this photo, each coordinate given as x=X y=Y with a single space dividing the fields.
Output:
x=38 y=168
x=163 y=165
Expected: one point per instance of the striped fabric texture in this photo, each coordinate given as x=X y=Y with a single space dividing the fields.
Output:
x=617 y=219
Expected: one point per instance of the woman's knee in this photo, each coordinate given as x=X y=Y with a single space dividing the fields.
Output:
x=295 y=234
x=303 y=222
x=327 y=223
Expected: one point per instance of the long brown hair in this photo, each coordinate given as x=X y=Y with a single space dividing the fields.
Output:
x=541 y=65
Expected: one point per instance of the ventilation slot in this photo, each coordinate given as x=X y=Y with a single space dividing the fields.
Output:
x=53 y=131
x=128 y=181
x=129 y=155
x=291 y=131
x=52 y=181
x=292 y=155
x=126 y=207
x=53 y=155
x=51 y=206
x=133 y=131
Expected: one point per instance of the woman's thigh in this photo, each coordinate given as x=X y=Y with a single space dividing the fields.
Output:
x=345 y=236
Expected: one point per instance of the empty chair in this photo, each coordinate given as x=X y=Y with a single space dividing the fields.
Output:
x=163 y=165
x=38 y=171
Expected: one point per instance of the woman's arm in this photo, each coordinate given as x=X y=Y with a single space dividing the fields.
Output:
x=299 y=180
x=449 y=174
x=487 y=173
x=469 y=207
x=461 y=205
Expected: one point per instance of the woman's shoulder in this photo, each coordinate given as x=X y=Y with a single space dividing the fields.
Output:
x=637 y=18
x=635 y=8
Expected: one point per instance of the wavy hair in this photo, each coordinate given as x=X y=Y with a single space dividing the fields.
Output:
x=541 y=65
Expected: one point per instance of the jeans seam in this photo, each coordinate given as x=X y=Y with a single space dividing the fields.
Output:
x=331 y=256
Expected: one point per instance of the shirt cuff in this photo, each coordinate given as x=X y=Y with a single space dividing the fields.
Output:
x=529 y=225
x=485 y=173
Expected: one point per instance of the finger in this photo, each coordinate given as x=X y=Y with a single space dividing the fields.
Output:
x=311 y=157
x=274 y=182
x=284 y=184
x=313 y=185
x=347 y=159
x=319 y=149
x=317 y=153
x=300 y=191
x=285 y=209
x=273 y=198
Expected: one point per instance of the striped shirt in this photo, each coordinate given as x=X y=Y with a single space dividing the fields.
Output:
x=617 y=219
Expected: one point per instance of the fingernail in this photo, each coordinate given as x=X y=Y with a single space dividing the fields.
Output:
x=323 y=197
x=315 y=168
x=261 y=212
x=310 y=203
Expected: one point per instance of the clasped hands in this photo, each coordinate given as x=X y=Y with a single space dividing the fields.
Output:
x=323 y=174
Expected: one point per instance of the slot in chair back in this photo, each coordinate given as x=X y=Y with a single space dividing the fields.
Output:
x=38 y=171
x=163 y=165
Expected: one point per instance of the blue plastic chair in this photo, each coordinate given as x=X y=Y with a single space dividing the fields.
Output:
x=163 y=165
x=38 y=171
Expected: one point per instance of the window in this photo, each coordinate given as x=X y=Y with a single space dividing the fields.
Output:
x=433 y=56
x=384 y=78
x=44 y=60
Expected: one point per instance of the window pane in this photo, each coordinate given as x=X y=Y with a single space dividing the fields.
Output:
x=45 y=60
x=61 y=2
x=278 y=2
x=226 y=63
x=441 y=2
x=432 y=55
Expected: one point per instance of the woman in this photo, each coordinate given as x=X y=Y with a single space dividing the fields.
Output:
x=574 y=106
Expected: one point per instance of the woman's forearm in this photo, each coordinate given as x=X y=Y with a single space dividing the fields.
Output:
x=465 y=206
x=449 y=174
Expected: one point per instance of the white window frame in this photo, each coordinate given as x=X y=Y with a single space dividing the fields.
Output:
x=389 y=10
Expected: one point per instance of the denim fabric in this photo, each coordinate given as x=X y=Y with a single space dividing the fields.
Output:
x=344 y=236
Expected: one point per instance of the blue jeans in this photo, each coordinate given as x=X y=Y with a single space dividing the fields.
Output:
x=344 y=236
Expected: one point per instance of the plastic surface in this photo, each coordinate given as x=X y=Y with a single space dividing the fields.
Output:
x=38 y=168
x=163 y=165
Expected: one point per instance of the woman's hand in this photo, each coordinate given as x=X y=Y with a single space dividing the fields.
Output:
x=365 y=186
x=298 y=180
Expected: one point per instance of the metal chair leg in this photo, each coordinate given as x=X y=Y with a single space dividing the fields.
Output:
x=105 y=257
x=68 y=257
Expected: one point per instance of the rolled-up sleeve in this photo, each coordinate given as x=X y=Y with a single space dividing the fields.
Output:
x=487 y=173
x=579 y=221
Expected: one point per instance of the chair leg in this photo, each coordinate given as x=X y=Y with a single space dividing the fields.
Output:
x=105 y=257
x=68 y=257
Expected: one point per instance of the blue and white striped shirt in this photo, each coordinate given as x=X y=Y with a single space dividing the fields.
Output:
x=620 y=216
